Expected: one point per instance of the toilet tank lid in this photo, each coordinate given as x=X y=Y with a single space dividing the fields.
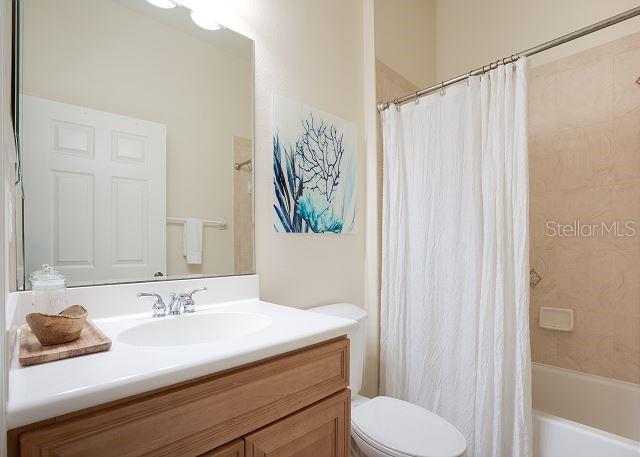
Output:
x=346 y=310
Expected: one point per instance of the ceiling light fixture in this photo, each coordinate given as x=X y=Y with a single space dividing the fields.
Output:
x=204 y=20
x=163 y=3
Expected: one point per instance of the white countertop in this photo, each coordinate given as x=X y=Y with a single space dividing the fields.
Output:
x=51 y=389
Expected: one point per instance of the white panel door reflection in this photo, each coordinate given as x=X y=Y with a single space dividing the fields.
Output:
x=94 y=185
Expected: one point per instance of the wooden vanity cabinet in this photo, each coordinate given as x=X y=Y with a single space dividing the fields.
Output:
x=321 y=430
x=296 y=405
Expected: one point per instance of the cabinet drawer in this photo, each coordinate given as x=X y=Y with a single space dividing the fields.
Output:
x=321 y=430
x=192 y=418
x=235 y=449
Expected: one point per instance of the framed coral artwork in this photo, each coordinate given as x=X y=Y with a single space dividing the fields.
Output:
x=314 y=170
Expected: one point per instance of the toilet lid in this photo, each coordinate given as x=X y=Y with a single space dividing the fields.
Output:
x=406 y=429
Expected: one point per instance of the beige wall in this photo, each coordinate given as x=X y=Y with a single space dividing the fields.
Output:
x=584 y=151
x=470 y=34
x=169 y=77
x=312 y=52
x=405 y=38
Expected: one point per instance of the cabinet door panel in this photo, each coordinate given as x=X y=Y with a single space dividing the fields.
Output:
x=320 y=430
x=235 y=449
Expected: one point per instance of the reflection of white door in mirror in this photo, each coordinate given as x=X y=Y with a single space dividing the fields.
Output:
x=94 y=192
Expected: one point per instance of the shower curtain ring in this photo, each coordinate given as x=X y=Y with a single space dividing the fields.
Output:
x=469 y=78
x=442 y=89
x=395 y=102
x=417 y=98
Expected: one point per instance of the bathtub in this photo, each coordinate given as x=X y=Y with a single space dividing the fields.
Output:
x=577 y=414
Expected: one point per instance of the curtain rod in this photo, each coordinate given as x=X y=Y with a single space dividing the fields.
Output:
x=529 y=52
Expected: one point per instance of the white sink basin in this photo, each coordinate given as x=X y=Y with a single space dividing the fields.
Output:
x=194 y=329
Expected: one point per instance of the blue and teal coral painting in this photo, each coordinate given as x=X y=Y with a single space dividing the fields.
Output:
x=314 y=170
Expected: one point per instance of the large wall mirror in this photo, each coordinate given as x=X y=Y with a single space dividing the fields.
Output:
x=136 y=133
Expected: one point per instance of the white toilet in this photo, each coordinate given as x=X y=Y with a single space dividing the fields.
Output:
x=384 y=426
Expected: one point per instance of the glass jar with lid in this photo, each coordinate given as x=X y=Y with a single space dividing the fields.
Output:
x=49 y=290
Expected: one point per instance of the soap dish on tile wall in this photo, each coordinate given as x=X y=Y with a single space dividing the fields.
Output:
x=556 y=318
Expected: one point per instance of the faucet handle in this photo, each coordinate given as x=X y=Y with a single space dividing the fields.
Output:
x=195 y=291
x=159 y=308
x=189 y=303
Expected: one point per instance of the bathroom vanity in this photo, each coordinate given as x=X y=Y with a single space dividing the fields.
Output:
x=294 y=404
x=263 y=380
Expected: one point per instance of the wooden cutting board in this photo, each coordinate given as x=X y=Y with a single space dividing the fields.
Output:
x=32 y=352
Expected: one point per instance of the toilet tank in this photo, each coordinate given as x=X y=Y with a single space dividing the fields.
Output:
x=356 y=339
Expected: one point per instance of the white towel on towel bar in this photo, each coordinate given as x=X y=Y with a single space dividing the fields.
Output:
x=192 y=241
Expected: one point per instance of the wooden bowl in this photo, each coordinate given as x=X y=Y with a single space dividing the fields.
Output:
x=58 y=328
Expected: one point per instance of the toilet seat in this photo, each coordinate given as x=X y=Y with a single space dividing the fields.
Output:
x=401 y=429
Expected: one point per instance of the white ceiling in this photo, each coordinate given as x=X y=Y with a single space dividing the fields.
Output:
x=179 y=18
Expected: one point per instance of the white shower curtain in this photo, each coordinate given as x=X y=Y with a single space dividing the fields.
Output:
x=455 y=291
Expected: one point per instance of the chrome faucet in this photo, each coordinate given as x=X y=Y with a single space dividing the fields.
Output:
x=159 y=308
x=184 y=301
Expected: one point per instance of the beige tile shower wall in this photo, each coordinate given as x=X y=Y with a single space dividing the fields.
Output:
x=584 y=159
x=243 y=208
